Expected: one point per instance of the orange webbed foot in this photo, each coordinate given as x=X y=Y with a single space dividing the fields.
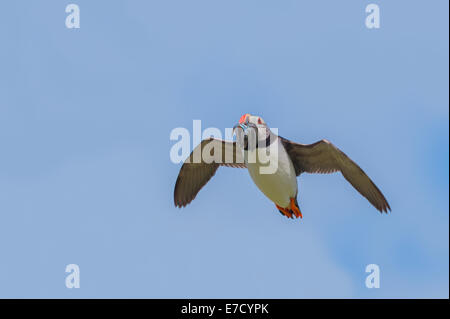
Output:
x=295 y=208
x=285 y=211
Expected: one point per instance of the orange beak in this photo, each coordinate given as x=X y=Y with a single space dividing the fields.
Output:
x=243 y=118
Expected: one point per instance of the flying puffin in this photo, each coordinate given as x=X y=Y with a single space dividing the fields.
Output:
x=257 y=148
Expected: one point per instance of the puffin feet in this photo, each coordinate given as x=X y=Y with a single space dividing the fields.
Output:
x=292 y=210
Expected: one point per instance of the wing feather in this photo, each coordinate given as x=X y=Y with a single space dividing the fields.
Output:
x=324 y=157
x=193 y=176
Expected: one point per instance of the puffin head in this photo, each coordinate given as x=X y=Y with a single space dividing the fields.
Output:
x=250 y=126
x=250 y=121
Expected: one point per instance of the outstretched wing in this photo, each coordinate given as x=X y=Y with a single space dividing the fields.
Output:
x=324 y=157
x=202 y=164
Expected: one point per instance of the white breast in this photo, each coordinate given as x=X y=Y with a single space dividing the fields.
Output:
x=276 y=179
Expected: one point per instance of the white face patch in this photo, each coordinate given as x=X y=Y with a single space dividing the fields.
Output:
x=256 y=120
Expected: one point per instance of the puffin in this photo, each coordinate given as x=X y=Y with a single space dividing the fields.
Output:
x=273 y=163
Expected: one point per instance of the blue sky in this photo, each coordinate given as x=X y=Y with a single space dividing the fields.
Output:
x=85 y=174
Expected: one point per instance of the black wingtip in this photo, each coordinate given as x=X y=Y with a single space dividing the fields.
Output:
x=385 y=208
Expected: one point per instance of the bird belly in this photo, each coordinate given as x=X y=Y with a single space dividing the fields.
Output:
x=279 y=186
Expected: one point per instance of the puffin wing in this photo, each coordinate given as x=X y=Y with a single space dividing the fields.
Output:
x=202 y=164
x=324 y=157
